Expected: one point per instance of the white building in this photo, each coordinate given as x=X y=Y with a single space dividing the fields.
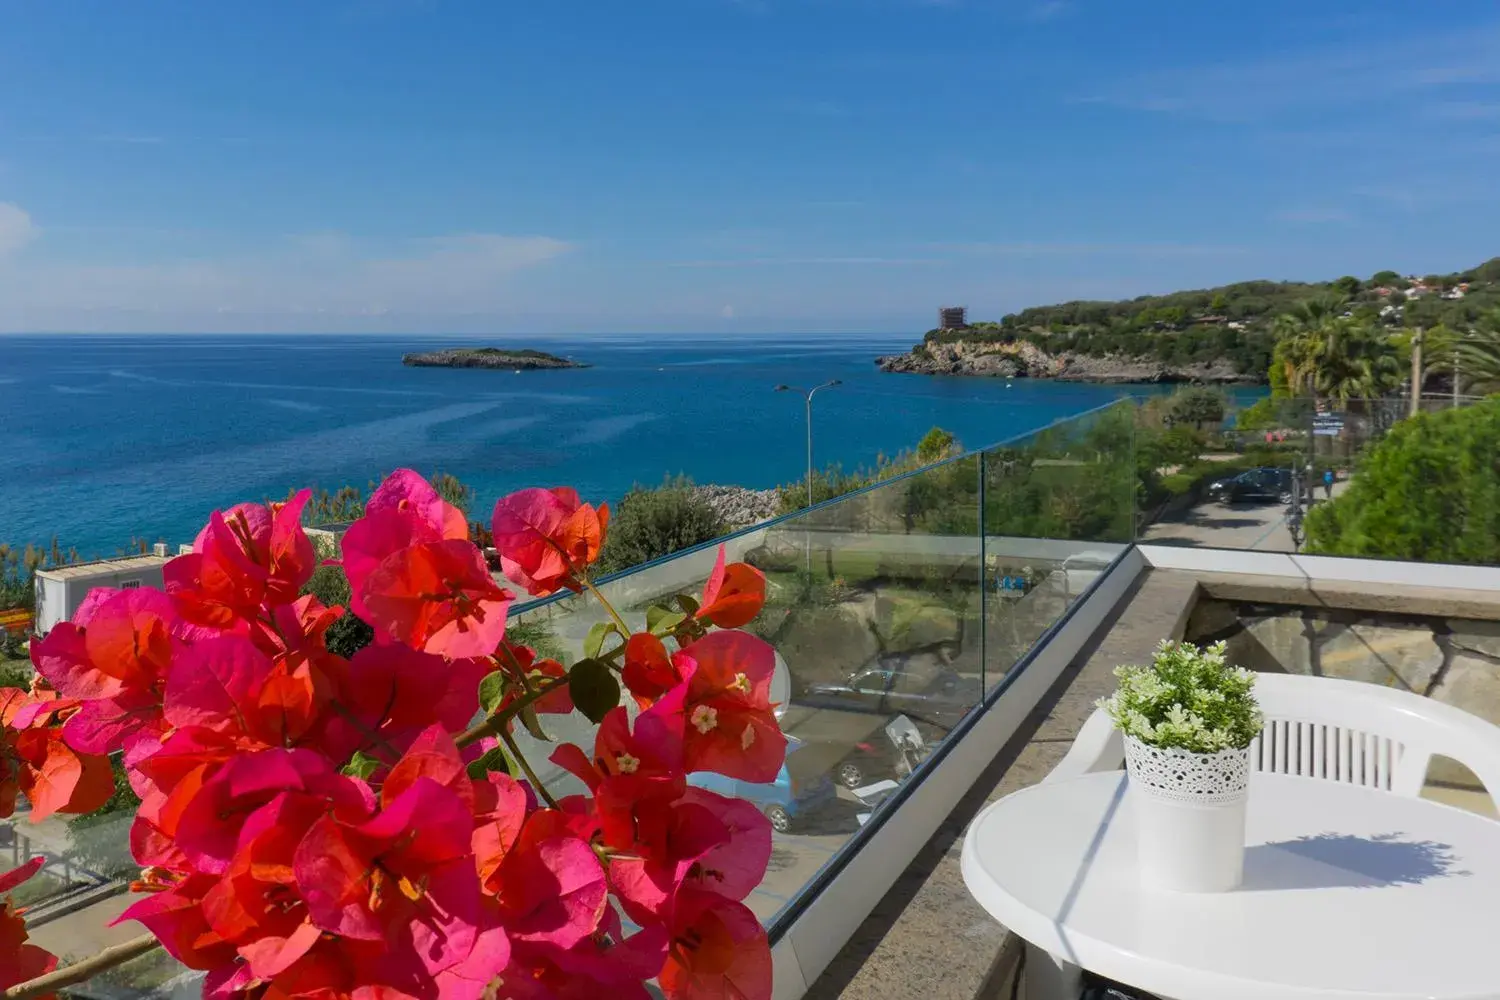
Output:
x=61 y=589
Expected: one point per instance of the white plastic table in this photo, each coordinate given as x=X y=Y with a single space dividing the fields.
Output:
x=1349 y=893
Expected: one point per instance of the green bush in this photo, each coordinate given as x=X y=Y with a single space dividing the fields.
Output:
x=1429 y=491
x=935 y=444
x=15 y=673
x=649 y=524
x=349 y=634
x=1197 y=405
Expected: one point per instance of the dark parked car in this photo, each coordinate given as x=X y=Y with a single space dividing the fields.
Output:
x=938 y=696
x=1264 y=484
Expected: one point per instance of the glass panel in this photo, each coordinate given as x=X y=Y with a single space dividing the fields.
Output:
x=892 y=611
x=1251 y=482
x=1059 y=506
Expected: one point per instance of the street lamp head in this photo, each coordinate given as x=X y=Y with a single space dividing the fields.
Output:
x=837 y=381
x=783 y=388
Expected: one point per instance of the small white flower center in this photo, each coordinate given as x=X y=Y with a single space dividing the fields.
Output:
x=704 y=719
x=741 y=683
x=627 y=764
x=747 y=737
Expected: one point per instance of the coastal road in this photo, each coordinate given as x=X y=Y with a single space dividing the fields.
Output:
x=1261 y=527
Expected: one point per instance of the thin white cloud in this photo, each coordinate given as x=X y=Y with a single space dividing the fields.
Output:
x=1372 y=72
x=1088 y=249
x=1465 y=111
x=1312 y=215
x=1048 y=10
x=807 y=261
x=326 y=275
x=16 y=228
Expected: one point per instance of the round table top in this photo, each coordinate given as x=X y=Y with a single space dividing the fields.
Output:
x=1348 y=892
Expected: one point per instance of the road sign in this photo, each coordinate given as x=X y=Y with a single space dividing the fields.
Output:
x=1328 y=424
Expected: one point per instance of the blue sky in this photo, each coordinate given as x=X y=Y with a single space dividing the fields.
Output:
x=721 y=166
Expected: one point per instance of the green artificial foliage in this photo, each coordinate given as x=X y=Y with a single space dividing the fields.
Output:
x=1188 y=699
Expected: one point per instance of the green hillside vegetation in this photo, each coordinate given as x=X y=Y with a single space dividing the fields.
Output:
x=1235 y=322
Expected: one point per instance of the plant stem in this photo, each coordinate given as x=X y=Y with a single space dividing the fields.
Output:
x=515 y=751
x=495 y=724
x=619 y=622
x=107 y=959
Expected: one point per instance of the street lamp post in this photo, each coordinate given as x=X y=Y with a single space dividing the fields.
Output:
x=807 y=395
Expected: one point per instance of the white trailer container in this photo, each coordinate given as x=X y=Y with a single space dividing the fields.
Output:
x=61 y=589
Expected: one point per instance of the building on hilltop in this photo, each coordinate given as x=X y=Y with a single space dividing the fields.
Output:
x=953 y=317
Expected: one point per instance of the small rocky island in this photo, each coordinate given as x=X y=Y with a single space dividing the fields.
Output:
x=488 y=357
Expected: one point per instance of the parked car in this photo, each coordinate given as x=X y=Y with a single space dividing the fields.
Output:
x=784 y=801
x=890 y=687
x=1266 y=484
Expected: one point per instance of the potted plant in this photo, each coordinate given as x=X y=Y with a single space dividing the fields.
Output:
x=1188 y=720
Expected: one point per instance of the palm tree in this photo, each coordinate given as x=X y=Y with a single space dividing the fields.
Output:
x=1299 y=334
x=1478 y=355
x=1353 y=361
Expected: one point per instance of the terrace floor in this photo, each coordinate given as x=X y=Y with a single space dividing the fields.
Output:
x=928 y=921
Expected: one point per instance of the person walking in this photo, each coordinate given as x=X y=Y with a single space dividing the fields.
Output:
x=1328 y=483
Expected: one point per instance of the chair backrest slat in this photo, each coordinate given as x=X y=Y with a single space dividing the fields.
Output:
x=1357 y=733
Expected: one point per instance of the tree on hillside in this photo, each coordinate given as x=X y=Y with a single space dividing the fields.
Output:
x=1430 y=491
x=1348 y=285
x=1386 y=278
x=1198 y=405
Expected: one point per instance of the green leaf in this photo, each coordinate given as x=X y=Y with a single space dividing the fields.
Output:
x=689 y=605
x=660 y=620
x=362 y=765
x=533 y=725
x=493 y=760
x=595 y=641
x=594 y=688
x=491 y=691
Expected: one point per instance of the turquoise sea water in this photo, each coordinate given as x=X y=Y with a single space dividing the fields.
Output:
x=105 y=438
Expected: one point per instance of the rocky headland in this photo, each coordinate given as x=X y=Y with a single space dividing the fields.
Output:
x=488 y=357
x=1022 y=359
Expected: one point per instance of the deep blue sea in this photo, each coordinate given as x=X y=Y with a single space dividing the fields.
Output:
x=105 y=438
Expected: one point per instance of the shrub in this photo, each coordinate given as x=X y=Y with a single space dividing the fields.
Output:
x=1198 y=405
x=648 y=524
x=1429 y=491
x=349 y=634
x=935 y=444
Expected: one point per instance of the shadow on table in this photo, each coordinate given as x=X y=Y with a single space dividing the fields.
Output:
x=1342 y=861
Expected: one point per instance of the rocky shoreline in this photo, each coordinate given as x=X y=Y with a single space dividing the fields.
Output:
x=1023 y=359
x=739 y=506
x=488 y=357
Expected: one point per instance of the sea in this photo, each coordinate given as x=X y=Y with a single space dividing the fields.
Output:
x=105 y=439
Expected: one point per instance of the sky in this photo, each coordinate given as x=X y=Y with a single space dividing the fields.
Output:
x=721 y=166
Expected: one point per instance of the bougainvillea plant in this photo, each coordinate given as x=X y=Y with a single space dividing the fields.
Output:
x=369 y=828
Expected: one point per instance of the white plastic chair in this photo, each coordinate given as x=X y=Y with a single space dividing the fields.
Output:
x=1319 y=727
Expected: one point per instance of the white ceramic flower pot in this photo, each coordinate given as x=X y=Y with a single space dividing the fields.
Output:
x=1189 y=815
